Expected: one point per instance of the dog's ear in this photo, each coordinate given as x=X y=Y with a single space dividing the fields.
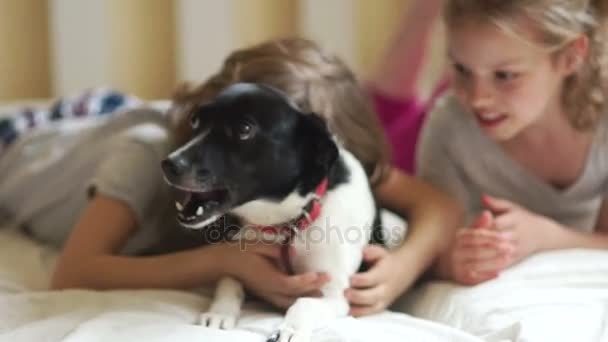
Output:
x=321 y=148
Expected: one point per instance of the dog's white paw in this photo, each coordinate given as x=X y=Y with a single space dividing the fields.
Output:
x=287 y=334
x=218 y=320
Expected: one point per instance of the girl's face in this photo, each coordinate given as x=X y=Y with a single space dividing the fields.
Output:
x=506 y=83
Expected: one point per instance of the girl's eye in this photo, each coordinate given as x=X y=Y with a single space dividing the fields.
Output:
x=461 y=70
x=505 y=76
x=195 y=122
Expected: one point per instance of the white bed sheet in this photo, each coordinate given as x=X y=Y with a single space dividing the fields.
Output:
x=28 y=312
x=554 y=296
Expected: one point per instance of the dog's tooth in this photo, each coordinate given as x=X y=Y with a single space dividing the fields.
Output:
x=199 y=211
x=179 y=206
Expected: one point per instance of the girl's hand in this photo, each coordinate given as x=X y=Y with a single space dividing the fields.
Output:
x=256 y=265
x=502 y=235
x=525 y=231
x=376 y=289
x=479 y=252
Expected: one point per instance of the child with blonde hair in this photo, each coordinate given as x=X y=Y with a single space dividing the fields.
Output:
x=522 y=143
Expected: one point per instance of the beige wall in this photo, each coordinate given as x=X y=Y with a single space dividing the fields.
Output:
x=264 y=19
x=376 y=22
x=24 y=56
x=53 y=47
x=142 y=43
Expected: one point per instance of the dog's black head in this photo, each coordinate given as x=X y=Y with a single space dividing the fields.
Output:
x=249 y=143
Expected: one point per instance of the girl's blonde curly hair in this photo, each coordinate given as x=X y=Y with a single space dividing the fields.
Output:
x=314 y=80
x=559 y=23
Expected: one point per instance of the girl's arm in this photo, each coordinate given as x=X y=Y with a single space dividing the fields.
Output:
x=602 y=219
x=569 y=238
x=90 y=260
x=433 y=218
x=572 y=238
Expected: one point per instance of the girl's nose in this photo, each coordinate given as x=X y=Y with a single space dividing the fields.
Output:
x=479 y=93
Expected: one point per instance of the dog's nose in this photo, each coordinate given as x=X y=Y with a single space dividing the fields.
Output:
x=175 y=167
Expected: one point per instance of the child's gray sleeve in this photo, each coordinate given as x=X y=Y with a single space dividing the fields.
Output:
x=437 y=163
x=131 y=173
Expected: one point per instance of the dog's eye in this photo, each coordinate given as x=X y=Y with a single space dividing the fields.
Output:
x=244 y=131
x=195 y=122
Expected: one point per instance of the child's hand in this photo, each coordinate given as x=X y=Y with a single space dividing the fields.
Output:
x=256 y=266
x=479 y=252
x=502 y=235
x=376 y=289
x=525 y=231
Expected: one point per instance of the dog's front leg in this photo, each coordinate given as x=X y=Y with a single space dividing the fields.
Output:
x=225 y=306
x=306 y=314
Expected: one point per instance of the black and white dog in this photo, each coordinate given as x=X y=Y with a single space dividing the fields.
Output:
x=255 y=157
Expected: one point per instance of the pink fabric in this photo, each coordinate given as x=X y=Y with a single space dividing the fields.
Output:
x=402 y=119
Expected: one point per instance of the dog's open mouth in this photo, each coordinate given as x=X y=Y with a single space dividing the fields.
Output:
x=198 y=209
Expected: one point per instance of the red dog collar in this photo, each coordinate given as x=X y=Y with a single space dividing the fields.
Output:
x=310 y=213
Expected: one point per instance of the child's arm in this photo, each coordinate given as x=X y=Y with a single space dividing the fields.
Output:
x=89 y=260
x=432 y=216
x=432 y=219
x=572 y=238
x=602 y=218
x=397 y=74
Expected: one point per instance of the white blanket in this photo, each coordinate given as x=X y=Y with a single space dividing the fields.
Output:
x=28 y=312
x=556 y=296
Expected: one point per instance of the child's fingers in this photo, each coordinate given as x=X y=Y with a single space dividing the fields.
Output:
x=467 y=276
x=364 y=297
x=280 y=300
x=468 y=253
x=505 y=221
x=462 y=260
x=482 y=237
x=364 y=310
x=474 y=278
x=314 y=293
x=490 y=265
x=484 y=220
x=373 y=253
x=472 y=254
x=366 y=279
x=496 y=205
x=297 y=285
